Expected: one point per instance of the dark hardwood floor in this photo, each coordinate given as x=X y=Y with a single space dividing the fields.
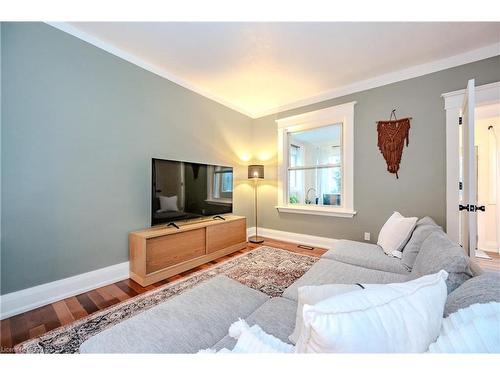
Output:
x=43 y=319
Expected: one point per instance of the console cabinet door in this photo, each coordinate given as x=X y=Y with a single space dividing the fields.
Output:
x=165 y=251
x=225 y=234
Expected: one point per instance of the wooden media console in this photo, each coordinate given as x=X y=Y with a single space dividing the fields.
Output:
x=160 y=252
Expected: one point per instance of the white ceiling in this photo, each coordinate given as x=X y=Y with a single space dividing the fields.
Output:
x=260 y=68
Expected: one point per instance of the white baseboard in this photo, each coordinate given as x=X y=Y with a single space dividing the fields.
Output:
x=28 y=299
x=304 y=239
x=489 y=246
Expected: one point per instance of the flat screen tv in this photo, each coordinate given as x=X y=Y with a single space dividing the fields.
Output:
x=183 y=190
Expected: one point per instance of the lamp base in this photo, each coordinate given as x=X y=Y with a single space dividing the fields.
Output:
x=255 y=239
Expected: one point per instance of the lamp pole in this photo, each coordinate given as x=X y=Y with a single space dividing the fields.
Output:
x=256 y=172
x=255 y=190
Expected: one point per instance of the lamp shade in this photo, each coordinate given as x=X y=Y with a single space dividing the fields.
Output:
x=255 y=171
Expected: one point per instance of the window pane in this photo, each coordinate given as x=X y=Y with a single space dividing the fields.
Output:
x=319 y=146
x=216 y=185
x=296 y=155
x=318 y=186
x=330 y=155
x=227 y=182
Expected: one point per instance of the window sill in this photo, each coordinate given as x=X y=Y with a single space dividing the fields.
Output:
x=322 y=211
x=221 y=202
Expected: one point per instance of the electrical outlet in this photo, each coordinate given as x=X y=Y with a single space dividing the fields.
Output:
x=367 y=236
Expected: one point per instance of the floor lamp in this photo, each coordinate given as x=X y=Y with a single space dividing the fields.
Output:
x=256 y=172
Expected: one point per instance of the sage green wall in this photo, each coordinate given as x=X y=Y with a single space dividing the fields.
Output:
x=79 y=129
x=80 y=126
x=421 y=188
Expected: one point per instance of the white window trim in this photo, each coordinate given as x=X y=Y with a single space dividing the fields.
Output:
x=344 y=114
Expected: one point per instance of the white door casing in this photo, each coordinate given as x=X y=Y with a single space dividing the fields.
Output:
x=484 y=95
x=469 y=176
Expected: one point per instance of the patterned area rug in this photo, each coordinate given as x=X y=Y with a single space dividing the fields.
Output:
x=269 y=270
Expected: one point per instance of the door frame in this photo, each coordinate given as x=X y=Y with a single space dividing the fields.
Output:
x=453 y=101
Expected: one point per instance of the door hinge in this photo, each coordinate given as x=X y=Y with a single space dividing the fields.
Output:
x=460 y=185
x=471 y=208
x=460 y=120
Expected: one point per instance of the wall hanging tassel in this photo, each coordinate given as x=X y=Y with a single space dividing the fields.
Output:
x=392 y=135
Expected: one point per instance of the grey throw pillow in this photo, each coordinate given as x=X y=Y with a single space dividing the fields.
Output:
x=481 y=289
x=437 y=253
x=423 y=229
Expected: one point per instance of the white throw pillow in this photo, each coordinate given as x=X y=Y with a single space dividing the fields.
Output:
x=395 y=233
x=312 y=294
x=474 y=329
x=168 y=203
x=391 y=318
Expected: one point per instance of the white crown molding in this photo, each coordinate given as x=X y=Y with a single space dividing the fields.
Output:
x=397 y=76
x=381 y=80
x=131 y=58
x=485 y=94
x=28 y=299
x=304 y=239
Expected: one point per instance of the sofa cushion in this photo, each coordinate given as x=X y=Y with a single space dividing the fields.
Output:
x=423 y=229
x=480 y=289
x=365 y=255
x=187 y=323
x=253 y=339
x=437 y=253
x=227 y=342
x=475 y=268
x=326 y=271
x=276 y=317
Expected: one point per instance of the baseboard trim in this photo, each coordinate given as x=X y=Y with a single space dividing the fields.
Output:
x=31 y=298
x=304 y=239
x=28 y=299
x=488 y=246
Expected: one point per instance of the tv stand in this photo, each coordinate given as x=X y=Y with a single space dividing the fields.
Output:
x=160 y=252
x=219 y=217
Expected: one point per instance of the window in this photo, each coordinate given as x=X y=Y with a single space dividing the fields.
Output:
x=316 y=162
x=220 y=185
x=315 y=167
x=295 y=181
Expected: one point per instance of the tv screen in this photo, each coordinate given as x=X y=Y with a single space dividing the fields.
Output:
x=183 y=190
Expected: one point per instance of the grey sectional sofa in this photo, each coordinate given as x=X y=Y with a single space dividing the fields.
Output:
x=200 y=317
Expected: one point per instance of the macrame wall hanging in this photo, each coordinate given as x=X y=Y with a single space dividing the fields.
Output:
x=392 y=135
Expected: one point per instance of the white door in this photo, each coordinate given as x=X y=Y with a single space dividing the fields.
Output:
x=468 y=201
